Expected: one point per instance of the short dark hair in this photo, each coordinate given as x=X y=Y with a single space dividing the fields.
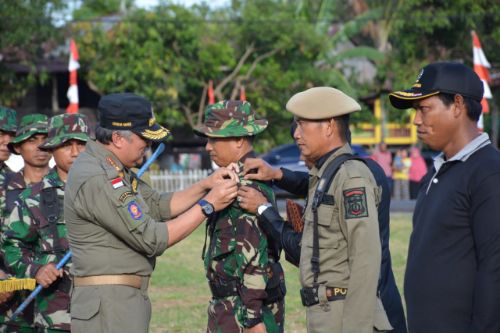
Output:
x=474 y=108
x=343 y=125
x=105 y=136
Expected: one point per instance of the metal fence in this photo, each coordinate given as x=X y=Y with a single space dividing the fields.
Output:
x=169 y=181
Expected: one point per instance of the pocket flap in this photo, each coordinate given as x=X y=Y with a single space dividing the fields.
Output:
x=85 y=310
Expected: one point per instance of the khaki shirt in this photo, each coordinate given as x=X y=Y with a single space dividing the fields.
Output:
x=349 y=242
x=112 y=220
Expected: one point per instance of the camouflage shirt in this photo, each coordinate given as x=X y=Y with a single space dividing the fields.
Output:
x=13 y=184
x=238 y=250
x=35 y=235
x=4 y=169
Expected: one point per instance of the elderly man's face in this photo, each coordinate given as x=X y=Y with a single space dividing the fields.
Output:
x=132 y=149
x=310 y=136
x=5 y=138
x=435 y=122
x=223 y=150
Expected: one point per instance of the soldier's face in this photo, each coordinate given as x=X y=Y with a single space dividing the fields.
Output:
x=435 y=122
x=311 y=137
x=32 y=155
x=66 y=154
x=223 y=151
x=5 y=138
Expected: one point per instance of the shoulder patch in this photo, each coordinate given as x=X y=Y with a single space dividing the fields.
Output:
x=124 y=196
x=134 y=210
x=355 y=203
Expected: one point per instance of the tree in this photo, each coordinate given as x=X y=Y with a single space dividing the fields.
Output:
x=27 y=33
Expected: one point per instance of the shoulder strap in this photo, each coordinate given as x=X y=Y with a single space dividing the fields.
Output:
x=323 y=186
x=50 y=207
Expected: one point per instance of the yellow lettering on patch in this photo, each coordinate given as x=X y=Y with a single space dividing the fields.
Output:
x=119 y=124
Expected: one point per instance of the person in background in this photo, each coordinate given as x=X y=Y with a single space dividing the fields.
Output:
x=418 y=169
x=401 y=175
x=383 y=157
x=31 y=133
x=34 y=237
x=452 y=279
x=8 y=127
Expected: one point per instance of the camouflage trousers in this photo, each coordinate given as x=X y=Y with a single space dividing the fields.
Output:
x=227 y=316
x=24 y=322
x=52 y=309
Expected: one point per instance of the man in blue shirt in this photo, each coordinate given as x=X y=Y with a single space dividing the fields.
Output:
x=452 y=280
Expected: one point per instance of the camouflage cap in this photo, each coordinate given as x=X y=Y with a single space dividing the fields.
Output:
x=65 y=127
x=230 y=119
x=30 y=125
x=8 y=120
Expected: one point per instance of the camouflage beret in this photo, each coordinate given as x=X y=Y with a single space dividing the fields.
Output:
x=8 y=120
x=65 y=127
x=321 y=103
x=230 y=119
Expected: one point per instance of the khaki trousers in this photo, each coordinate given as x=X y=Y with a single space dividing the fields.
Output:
x=110 y=308
x=320 y=320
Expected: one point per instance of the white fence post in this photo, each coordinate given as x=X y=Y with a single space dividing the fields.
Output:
x=168 y=181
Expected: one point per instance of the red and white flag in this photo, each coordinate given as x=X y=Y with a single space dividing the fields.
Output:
x=211 y=96
x=73 y=82
x=243 y=95
x=481 y=66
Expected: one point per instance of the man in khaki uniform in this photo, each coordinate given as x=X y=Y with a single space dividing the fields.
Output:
x=114 y=219
x=340 y=247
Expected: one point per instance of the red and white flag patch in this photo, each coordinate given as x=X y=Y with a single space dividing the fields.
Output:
x=117 y=183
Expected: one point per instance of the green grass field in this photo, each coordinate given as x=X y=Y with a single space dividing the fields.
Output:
x=180 y=294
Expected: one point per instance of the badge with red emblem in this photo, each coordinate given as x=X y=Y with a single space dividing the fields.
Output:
x=355 y=203
x=134 y=210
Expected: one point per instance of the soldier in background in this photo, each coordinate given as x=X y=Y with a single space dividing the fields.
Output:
x=242 y=266
x=8 y=127
x=31 y=132
x=34 y=237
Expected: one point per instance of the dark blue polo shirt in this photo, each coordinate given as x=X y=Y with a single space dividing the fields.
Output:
x=452 y=280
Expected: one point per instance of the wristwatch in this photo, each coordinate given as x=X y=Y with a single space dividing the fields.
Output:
x=206 y=208
x=262 y=208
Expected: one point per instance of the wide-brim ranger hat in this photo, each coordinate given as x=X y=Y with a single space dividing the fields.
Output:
x=230 y=119
x=8 y=121
x=128 y=111
x=321 y=103
x=65 y=127
x=29 y=125
x=440 y=77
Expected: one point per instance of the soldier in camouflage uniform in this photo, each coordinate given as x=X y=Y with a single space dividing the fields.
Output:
x=32 y=131
x=8 y=127
x=38 y=224
x=245 y=276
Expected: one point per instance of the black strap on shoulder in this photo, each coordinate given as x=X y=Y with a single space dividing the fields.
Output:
x=323 y=186
x=50 y=207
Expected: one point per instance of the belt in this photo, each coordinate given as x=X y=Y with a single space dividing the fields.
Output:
x=134 y=281
x=310 y=296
